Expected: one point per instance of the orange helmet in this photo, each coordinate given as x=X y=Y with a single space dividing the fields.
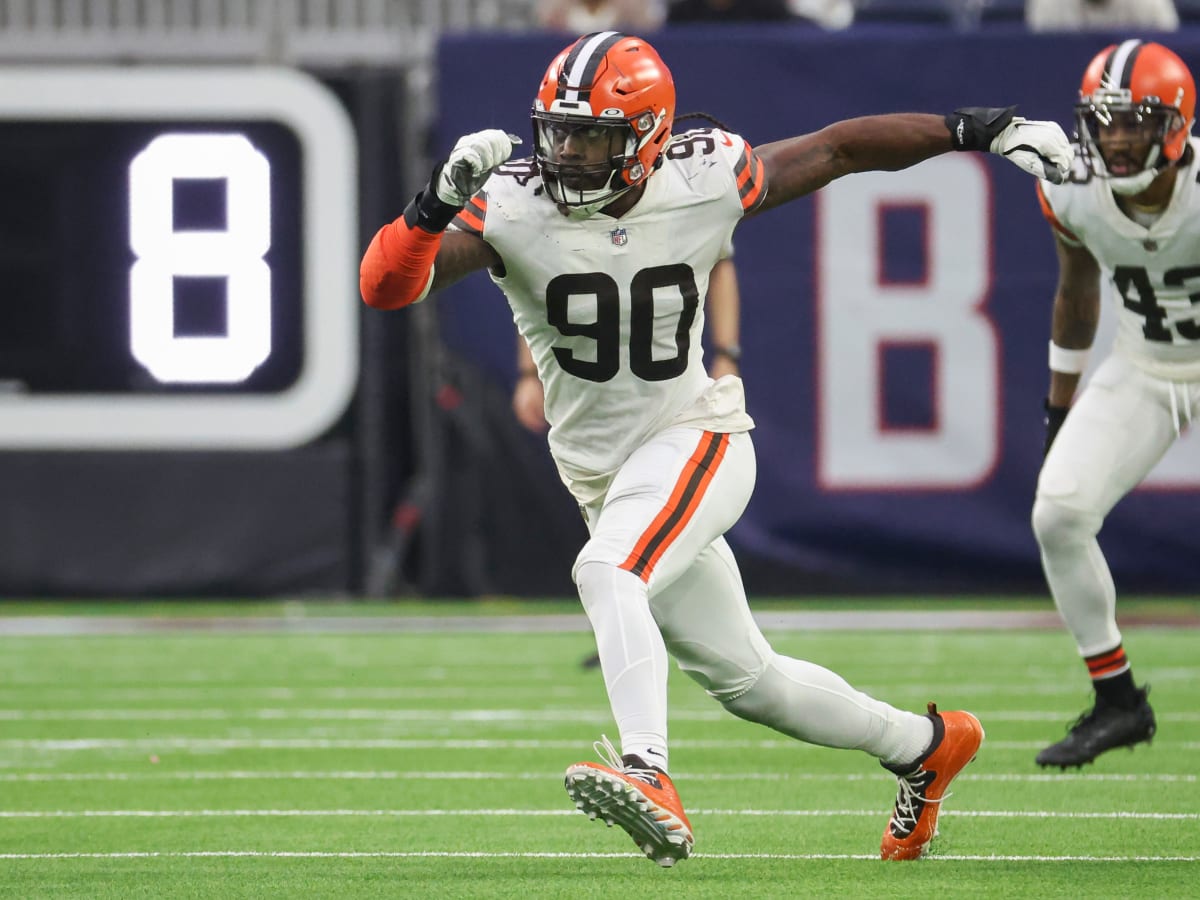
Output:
x=602 y=119
x=1135 y=87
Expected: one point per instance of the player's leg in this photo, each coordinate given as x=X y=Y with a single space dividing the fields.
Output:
x=672 y=497
x=1117 y=430
x=710 y=631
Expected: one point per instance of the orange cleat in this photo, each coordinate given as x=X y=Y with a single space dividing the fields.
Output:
x=636 y=796
x=923 y=783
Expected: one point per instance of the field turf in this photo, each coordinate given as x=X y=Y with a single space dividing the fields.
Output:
x=148 y=751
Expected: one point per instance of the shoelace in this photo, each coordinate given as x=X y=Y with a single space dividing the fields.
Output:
x=611 y=758
x=1085 y=718
x=1099 y=708
x=910 y=800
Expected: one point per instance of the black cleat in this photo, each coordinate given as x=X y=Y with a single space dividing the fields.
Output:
x=1102 y=728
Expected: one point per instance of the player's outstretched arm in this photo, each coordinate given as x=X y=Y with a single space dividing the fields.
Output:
x=410 y=256
x=800 y=165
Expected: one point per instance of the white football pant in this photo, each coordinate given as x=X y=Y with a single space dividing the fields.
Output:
x=657 y=577
x=1119 y=427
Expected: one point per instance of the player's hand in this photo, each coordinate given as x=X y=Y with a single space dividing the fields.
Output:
x=1040 y=148
x=472 y=160
x=529 y=403
x=1055 y=416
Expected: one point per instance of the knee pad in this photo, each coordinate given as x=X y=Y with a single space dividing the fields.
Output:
x=754 y=700
x=1056 y=525
x=724 y=678
x=594 y=552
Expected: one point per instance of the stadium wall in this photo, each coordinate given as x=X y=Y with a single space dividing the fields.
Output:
x=894 y=334
x=894 y=325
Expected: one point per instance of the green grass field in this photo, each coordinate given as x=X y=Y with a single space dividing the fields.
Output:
x=374 y=761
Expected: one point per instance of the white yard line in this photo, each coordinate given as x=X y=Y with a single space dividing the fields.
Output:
x=539 y=813
x=425 y=775
x=438 y=854
x=157 y=744
x=517 y=716
x=17 y=686
x=282 y=713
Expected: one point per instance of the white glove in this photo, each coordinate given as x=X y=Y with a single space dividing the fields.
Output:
x=472 y=160
x=1040 y=148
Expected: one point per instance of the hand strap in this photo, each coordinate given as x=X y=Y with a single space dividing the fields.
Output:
x=975 y=127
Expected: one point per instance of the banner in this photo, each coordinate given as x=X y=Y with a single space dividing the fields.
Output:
x=894 y=324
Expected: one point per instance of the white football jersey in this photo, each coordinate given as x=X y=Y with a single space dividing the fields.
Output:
x=1153 y=273
x=613 y=309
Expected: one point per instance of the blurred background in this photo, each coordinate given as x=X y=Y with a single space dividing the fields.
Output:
x=195 y=403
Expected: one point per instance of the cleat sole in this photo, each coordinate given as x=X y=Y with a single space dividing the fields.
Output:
x=618 y=803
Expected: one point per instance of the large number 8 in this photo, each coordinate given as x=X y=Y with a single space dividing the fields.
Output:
x=234 y=253
x=605 y=329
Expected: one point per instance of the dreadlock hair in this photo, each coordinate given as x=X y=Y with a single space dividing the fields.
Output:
x=703 y=115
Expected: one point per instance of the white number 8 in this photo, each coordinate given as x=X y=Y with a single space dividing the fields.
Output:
x=235 y=253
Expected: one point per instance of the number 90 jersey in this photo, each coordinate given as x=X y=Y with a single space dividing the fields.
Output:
x=612 y=309
x=1152 y=272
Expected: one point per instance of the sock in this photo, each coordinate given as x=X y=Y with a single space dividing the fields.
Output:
x=1112 y=678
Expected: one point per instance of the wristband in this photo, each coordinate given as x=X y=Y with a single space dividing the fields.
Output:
x=732 y=352
x=527 y=373
x=1067 y=361
x=1055 y=416
x=428 y=211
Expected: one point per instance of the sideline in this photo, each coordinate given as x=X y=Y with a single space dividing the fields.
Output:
x=768 y=620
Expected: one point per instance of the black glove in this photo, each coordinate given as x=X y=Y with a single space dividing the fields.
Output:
x=1055 y=416
x=975 y=127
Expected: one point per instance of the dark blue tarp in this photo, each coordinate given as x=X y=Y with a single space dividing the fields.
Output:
x=894 y=329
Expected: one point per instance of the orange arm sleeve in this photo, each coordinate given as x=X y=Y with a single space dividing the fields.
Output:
x=398 y=265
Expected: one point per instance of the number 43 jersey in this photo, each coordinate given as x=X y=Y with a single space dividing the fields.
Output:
x=612 y=309
x=1153 y=272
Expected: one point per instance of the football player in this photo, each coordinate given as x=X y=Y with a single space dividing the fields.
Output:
x=602 y=241
x=1129 y=216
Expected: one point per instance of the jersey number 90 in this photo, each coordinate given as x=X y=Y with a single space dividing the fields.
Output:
x=605 y=327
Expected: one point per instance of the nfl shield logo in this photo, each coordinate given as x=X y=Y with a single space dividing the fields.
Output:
x=620 y=237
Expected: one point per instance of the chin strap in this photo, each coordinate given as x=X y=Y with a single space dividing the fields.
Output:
x=1129 y=185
